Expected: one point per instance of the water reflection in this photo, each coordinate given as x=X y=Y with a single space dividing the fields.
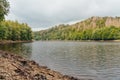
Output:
x=94 y=60
x=23 y=49
x=90 y=59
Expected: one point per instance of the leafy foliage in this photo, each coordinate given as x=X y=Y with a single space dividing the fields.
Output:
x=4 y=9
x=10 y=30
x=95 y=28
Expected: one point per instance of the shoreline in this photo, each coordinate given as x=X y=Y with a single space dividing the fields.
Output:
x=10 y=41
x=82 y=40
x=14 y=67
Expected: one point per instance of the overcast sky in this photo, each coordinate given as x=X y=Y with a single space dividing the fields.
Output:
x=42 y=14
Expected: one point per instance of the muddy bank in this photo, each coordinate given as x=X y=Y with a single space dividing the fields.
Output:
x=10 y=41
x=13 y=67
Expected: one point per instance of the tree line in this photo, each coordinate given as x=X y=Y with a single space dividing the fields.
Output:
x=12 y=30
x=94 y=28
x=69 y=33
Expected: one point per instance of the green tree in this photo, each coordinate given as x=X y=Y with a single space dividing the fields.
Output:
x=4 y=9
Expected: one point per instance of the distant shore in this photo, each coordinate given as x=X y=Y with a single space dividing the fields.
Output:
x=14 y=67
x=10 y=41
x=84 y=40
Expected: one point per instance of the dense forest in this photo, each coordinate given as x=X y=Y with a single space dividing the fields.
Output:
x=12 y=30
x=94 y=28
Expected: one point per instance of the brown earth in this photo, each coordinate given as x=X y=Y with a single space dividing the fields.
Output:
x=14 y=67
x=10 y=41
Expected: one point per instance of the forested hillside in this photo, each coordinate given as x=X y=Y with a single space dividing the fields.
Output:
x=94 y=28
x=12 y=30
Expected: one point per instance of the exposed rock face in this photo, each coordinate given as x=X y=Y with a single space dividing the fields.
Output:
x=13 y=67
x=83 y=30
x=95 y=21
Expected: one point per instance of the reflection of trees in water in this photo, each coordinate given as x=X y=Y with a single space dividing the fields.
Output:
x=22 y=49
x=100 y=56
x=96 y=55
x=92 y=55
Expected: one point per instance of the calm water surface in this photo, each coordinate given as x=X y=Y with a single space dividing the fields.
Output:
x=94 y=60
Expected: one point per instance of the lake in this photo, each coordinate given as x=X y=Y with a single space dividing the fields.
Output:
x=94 y=60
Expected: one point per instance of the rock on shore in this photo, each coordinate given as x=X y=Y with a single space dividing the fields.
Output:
x=14 y=67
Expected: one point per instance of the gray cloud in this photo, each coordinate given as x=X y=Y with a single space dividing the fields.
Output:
x=46 y=13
